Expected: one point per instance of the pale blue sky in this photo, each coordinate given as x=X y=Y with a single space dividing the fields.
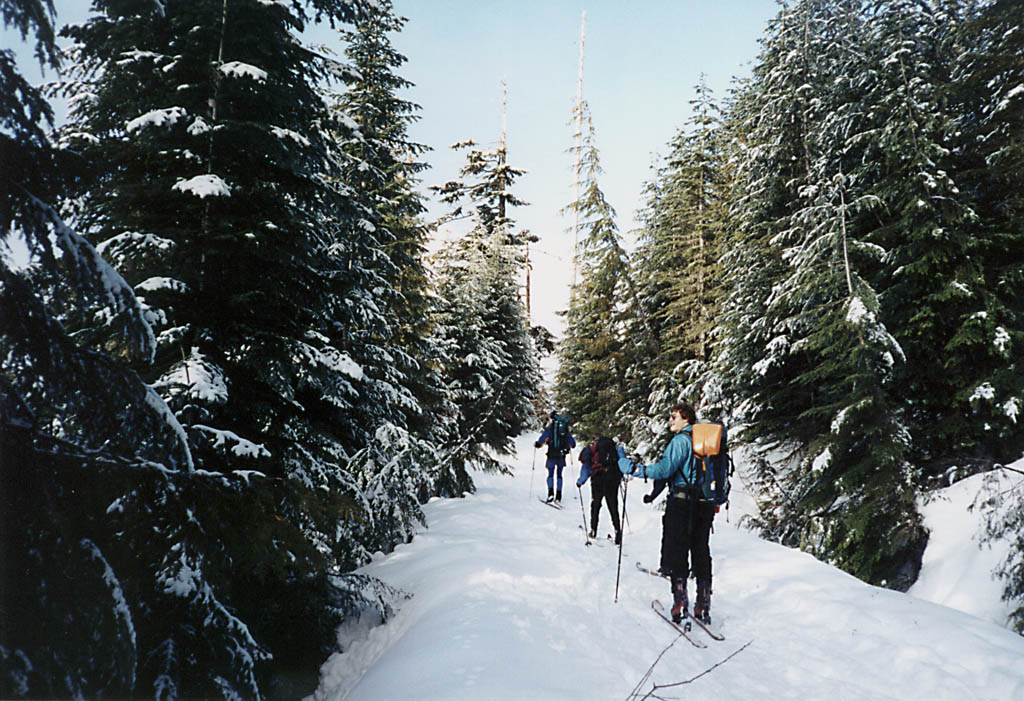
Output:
x=642 y=61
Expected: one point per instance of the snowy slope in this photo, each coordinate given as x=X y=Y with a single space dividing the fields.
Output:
x=508 y=603
x=957 y=567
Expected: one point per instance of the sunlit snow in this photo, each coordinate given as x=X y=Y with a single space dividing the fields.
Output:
x=506 y=602
x=202 y=186
x=238 y=69
x=157 y=118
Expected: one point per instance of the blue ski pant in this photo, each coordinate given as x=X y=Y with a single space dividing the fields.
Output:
x=551 y=464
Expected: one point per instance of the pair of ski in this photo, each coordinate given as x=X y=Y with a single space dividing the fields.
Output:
x=685 y=627
x=682 y=628
x=552 y=504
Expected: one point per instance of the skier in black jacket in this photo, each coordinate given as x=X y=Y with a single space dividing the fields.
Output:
x=598 y=462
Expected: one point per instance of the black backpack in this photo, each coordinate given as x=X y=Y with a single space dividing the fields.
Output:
x=560 y=434
x=604 y=455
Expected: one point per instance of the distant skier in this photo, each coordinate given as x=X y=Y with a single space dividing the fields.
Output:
x=559 y=441
x=686 y=526
x=598 y=463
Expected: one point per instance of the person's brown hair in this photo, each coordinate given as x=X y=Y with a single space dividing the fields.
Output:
x=686 y=411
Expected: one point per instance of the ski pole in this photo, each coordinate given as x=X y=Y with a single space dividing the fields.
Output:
x=618 y=569
x=586 y=533
x=625 y=520
x=532 y=468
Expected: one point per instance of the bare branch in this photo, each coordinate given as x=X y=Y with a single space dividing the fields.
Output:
x=652 y=695
x=650 y=670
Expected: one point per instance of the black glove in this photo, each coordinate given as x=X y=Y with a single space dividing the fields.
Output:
x=648 y=498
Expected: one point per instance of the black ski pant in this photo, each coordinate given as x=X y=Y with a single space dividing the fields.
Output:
x=686 y=533
x=605 y=485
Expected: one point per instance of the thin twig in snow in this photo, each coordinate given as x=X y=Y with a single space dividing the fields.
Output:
x=650 y=670
x=651 y=695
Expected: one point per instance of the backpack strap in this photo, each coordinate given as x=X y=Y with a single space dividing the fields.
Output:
x=689 y=486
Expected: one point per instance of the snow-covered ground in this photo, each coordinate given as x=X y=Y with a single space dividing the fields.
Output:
x=957 y=568
x=508 y=603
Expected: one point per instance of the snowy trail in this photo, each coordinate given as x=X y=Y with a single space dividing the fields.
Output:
x=508 y=603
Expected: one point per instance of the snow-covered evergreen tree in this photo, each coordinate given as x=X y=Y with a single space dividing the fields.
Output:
x=692 y=212
x=209 y=153
x=988 y=143
x=590 y=384
x=678 y=270
x=821 y=366
x=81 y=438
x=930 y=289
x=388 y=333
x=488 y=361
x=61 y=413
x=776 y=111
x=989 y=104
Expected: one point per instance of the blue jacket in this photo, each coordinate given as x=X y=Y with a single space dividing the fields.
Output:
x=547 y=435
x=676 y=463
x=585 y=460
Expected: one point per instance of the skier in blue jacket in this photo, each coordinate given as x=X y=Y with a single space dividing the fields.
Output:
x=556 y=458
x=686 y=525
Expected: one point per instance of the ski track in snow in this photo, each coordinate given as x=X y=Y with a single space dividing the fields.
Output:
x=508 y=603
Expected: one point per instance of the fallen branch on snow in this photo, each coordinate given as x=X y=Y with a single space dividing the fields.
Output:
x=652 y=695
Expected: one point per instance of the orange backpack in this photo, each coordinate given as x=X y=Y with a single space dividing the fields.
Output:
x=711 y=463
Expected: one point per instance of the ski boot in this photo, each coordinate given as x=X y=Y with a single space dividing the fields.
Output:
x=551 y=495
x=702 y=607
x=618 y=536
x=680 y=603
x=558 y=496
x=593 y=533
